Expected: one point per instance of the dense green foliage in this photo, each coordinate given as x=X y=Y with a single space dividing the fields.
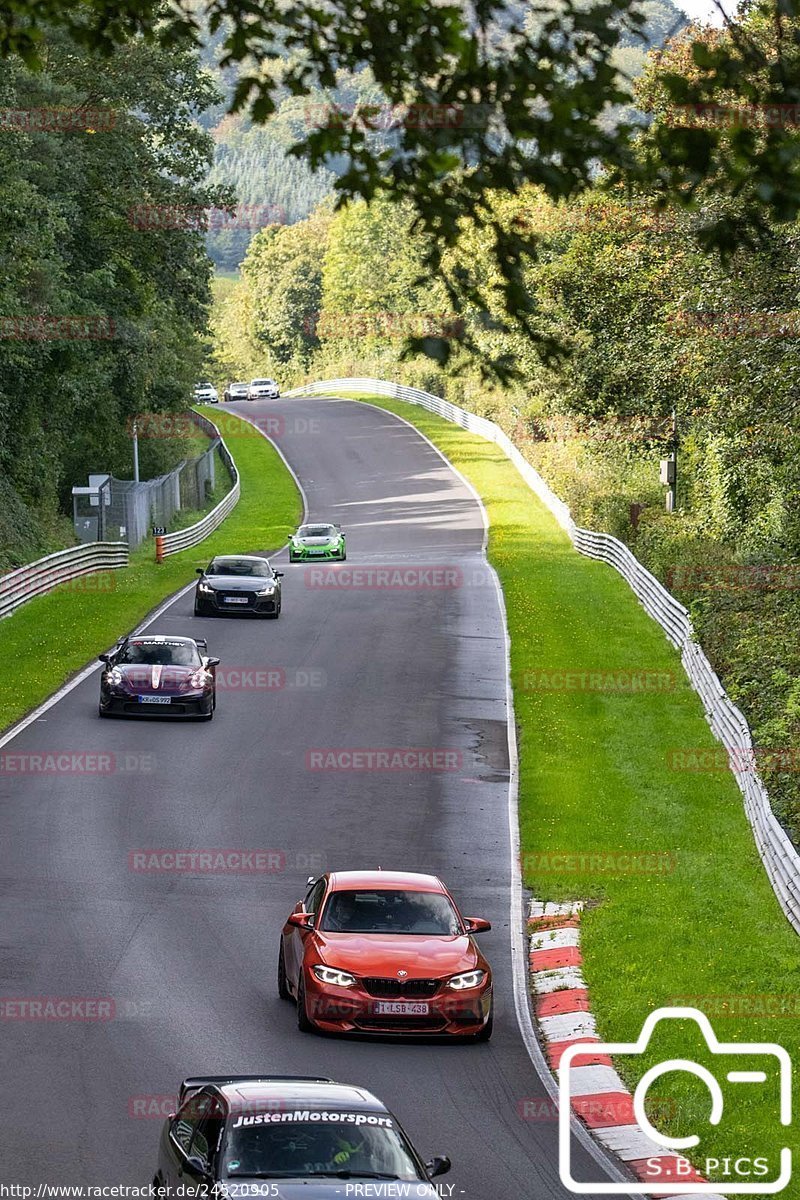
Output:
x=648 y=323
x=54 y=635
x=698 y=922
x=492 y=96
x=76 y=242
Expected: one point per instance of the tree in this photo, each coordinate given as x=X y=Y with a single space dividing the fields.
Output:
x=478 y=102
x=101 y=297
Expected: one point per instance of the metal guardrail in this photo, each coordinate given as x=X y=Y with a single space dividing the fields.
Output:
x=780 y=858
x=182 y=539
x=36 y=578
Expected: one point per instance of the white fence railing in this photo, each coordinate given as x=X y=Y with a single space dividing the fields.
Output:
x=182 y=539
x=36 y=578
x=780 y=858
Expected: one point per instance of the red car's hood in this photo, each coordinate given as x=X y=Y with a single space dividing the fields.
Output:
x=385 y=954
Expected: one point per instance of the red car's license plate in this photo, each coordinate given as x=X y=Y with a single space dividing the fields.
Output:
x=401 y=1008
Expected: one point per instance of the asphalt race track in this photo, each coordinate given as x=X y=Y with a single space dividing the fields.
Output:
x=188 y=960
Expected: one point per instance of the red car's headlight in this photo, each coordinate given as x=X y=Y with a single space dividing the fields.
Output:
x=470 y=979
x=332 y=976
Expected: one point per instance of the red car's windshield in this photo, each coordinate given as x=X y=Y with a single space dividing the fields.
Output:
x=390 y=911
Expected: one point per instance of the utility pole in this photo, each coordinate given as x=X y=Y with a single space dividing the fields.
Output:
x=135 y=451
x=669 y=466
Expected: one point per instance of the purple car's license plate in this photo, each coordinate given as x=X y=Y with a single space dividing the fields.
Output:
x=155 y=700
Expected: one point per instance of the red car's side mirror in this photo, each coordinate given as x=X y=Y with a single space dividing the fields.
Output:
x=301 y=920
x=477 y=925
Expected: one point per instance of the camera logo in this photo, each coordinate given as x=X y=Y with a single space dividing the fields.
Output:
x=756 y=1064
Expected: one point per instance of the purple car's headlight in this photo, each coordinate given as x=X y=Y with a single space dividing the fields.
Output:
x=114 y=677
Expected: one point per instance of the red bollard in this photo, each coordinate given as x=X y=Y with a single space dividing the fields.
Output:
x=159 y=549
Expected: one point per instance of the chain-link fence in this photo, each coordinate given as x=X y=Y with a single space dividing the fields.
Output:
x=112 y=509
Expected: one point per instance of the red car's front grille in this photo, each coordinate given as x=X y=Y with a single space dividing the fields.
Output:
x=432 y=1024
x=401 y=989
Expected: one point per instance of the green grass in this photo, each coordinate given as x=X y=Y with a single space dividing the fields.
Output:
x=49 y=639
x=595 y=778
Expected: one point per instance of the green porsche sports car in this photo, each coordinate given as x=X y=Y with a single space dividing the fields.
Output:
x=317 y=541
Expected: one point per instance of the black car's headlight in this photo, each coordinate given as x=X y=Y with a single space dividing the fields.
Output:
x=205 y=589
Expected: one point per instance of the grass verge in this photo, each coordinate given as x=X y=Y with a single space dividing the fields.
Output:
x=681 y=909
x=47 y=640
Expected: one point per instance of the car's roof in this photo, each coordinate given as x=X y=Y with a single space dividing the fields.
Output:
x=161 y=637
x=250 y=1094
x=240 y=558
x=411 y=881
x=316 y=524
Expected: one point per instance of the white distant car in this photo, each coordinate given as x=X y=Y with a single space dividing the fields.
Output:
x=206 y=393
x=263 y=389
x=236 y=391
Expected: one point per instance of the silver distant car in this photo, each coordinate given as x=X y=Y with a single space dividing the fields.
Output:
x=206 y=393
x=263 y=389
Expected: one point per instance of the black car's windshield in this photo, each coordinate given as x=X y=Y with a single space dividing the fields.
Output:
x=175 y=654
x=390 y=911
x=317 y=531
x=337 y=1143
x=246 y=567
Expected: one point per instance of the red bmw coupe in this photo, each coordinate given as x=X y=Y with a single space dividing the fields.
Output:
x=385 y=952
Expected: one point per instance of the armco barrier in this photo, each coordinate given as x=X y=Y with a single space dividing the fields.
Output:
x=778 y=855
x=182 y=539
x=36 y=578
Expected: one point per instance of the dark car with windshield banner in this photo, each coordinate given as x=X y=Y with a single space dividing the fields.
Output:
x=288 y=1137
